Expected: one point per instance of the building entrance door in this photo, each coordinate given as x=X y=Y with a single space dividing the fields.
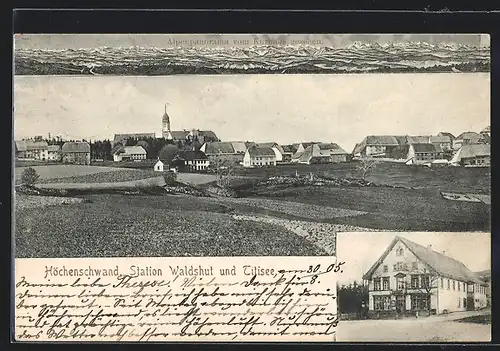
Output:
x=400 y=303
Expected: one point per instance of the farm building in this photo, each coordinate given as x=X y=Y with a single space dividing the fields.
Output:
x=288 y=152
x=423 y=153
x=337 y=154
x=473 y=155
x=256 y=156
x=278 y=150
x=466 y=139
x=129 y=153
x=77 y=152
x=158 y=166
x=376 y=146
x=191 y=161
x=54 y=153
x=409 y=277
x=32 y=149
x=227 y=151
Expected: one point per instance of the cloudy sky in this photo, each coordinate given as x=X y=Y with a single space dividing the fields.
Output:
x=371 y=245
x=62 y=41
x=282 y=108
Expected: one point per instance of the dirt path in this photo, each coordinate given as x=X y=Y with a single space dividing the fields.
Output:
x=323 y=235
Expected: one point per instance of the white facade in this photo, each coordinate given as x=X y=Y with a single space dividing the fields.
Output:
x=403 y=283
x=158 y=167
x=278 y=154
x=250 y=160
x=199 y=165
x=130 y=153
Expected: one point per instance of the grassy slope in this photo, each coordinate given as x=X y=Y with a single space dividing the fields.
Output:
x=148 y=226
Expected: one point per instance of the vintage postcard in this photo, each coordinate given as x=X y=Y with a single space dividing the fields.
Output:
x=223 y=187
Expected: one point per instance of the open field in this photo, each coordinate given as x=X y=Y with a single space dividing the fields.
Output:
x=114 y=225
x=455 y=179
x=55 y=171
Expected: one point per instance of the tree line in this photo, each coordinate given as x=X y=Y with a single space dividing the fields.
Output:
x=350 y=297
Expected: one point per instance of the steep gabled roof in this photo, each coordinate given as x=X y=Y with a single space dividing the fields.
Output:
x=443 y=265
x=419 y=139
x=260 y=151
x=440 y=139
x=190 y=155
x=131 y=150
x=383 y=140
x=75 y=146
x=239 y=146
x=470 y=151
x=53 y=148
x=451 y=136
x=26 y=145
x=179 y=134
x=219 y=147
x=289 y=148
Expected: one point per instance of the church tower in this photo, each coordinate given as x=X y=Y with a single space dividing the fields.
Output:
x=165 y=122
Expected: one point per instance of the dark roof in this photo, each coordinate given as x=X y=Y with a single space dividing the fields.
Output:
x=289 y=148
x=260 y=151
x=75 y=146
x=443 y=265
x=219 y=147
x=190 y=155
x=472 y=150
x=423 y=148
x=179 y=134
x=208 y=134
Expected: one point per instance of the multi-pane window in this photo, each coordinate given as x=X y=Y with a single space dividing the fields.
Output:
x=420 y=302
x=381 y=303
x=386 y=268
x=385 y=283
x=442 y=283
x=448 y=284
x=426 y=281
x=376 y=284
x=414 y=281
x=453 y=285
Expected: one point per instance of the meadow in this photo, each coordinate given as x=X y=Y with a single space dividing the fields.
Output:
x=259 y=224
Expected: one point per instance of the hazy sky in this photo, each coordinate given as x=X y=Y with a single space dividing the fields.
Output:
x=61 y=41
x=282 y=108
x=472 y=249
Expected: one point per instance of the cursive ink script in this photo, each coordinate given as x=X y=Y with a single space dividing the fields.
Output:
x=285 y=298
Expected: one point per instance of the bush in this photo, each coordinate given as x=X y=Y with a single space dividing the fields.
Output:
x=29 y=176
x=170 y=178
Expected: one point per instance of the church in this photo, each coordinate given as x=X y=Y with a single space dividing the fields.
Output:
x=193 y=135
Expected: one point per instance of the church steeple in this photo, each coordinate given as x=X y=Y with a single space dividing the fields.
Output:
x=165 y=121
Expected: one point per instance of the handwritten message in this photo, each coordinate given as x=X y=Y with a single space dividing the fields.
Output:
x=176 y=299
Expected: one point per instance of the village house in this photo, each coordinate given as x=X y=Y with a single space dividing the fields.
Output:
x=158 y=166
x=256 y=156
x=473 y=155
x=130 y=153
x=190 y=160
x=467 y=138
x=32 y=149
x=377 y=146
x=226 y=151
x=321 y=153
x=54 y=153
x=76 y=152
x=410 y=278
x=278 y=150
x=423 y=153
x=337 y=154
x=485 y=276
x=288 y=152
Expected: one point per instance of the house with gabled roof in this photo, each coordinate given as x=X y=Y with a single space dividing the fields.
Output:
x=288 y=152
x=257 y=156
x=32 y=149
x=472 y=155
x=467 y=138
x=130 y=153
x=409 y=278
x=423 y=153
x=191 y=160
x=377 y=145
x=76 y=152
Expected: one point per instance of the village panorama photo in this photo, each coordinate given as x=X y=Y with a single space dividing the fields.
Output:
x=245 y=145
